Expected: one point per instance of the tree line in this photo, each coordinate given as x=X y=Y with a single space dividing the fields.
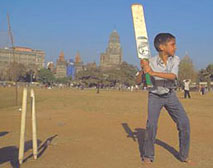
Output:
x=122 y=75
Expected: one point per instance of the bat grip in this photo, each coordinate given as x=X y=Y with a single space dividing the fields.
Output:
x=147 y=77
x=148 y=80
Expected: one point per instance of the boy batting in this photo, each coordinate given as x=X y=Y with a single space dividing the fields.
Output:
x=163 y=70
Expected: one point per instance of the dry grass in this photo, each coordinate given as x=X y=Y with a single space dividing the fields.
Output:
x=98 y=130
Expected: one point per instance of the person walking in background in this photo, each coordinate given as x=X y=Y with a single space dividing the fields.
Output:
x=202 y=90
x=187 y=88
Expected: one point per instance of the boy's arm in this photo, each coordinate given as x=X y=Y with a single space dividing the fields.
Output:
x=170 y=76
x=148 y=69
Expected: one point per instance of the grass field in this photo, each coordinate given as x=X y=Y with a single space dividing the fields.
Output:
x=82 y=129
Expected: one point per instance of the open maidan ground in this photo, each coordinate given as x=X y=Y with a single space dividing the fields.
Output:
x=82 y=129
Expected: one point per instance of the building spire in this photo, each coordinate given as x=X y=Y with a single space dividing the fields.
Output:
x=61 y=56
x=77 y=57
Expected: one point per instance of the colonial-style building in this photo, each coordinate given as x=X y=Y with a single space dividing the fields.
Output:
x=113 y=54
x=61 y=66
x=91 y=65
x=78 y=63
x=32 y=59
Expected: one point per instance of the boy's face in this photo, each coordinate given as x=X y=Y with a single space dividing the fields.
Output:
x=169 y=47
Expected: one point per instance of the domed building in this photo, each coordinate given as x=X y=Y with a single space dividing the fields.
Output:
x=113 y=55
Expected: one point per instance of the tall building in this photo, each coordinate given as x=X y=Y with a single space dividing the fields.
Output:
x=78 y=63
x=113 y=54
x=61 y=66
x=32 y=59
x=91 y=65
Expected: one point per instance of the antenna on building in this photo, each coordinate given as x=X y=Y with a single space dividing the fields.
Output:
x=13 y=48
x=11 y=36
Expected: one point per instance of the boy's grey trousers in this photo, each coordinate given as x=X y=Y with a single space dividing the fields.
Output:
x=176 y=111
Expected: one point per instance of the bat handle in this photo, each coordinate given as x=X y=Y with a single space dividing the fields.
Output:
x=147 y=76
x=148 y=80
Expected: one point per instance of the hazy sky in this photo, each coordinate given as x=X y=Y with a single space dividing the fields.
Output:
x=85 y=26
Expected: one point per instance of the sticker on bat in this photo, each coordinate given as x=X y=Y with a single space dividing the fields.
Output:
x=143 y=47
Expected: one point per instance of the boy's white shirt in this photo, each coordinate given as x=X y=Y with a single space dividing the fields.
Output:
x=157 y=65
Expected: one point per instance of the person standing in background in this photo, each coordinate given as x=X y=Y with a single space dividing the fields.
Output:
x=186 y=88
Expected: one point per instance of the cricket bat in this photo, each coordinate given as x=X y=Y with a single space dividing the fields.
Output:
x=142 y=43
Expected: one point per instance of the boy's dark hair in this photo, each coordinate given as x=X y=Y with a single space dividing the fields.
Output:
x=162 y=38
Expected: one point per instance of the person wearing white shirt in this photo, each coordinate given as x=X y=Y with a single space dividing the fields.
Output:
x=186 y=88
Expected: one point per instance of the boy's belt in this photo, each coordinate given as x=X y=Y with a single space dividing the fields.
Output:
x=165 y=83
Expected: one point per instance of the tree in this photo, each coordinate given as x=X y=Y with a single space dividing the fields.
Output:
x=64 y=80
x=187 y=70
x=122 y=74
x=15 y=71
x=209 y=69
x=128 y=74
x=90 y=77
x=206 y=75
x=46 y=76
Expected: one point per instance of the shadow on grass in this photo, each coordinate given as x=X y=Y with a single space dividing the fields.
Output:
x=10 y=153
x=139 y=135
x=3 y=133
x=42 y=148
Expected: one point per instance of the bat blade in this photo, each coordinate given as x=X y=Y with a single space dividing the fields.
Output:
x=141 y=37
